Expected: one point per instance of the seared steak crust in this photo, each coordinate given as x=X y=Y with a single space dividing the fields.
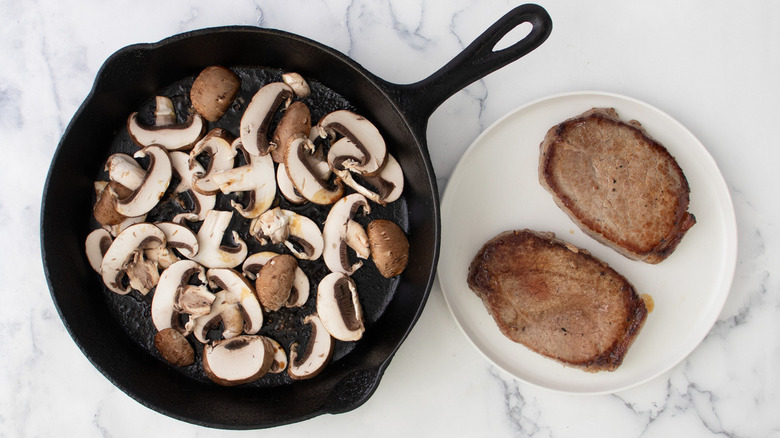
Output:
x=557 y=299
x=619 y=185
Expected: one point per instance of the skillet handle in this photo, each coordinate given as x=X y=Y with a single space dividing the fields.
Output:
x=477 y=60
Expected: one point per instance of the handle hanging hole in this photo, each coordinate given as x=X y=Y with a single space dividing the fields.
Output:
x=513 y=36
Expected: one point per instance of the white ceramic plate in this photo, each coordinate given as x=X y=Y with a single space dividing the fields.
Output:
x=495 y=188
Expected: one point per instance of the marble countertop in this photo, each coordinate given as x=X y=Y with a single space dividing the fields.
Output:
x=712 y=65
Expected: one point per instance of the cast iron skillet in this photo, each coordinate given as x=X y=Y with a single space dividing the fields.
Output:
x=133 y=75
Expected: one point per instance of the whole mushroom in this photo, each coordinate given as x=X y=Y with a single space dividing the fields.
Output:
x=213 y=91
x=389 y=247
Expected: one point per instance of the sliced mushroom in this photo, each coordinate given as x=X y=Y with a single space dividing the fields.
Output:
x=296 y=122
x=216 y=145
x=341 y=232
x=286 y=187
x=162 y=257
x=134 y=238
x=280 y=358
x=256 y=178
x=388 y=183
x=171 y=136
x=318 y=351
x=299 y=234
x=239 y=360
x=164 y=112
x=239 y=291
x=256 y=121
x=224 y=310
x=300 y=161
x=213 y=91
x=211 y=252
x=339 y=308
x=369 y=152
x=274 y=281
x=194 y=300
x=201 y=203
x=123 y=169
x=299 y=293
x=179 y=237
x=297 y=83
x=164 y=302
x=389 y=247
x=148 y=194
x=98 y=242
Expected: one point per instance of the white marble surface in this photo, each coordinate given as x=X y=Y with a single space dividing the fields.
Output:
x=713 y=65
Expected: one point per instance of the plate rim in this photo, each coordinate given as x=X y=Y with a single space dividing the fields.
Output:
x=729 y=220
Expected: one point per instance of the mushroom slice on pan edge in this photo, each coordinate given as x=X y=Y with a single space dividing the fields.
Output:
x=339 y=308
x=96 y=245
x=341 y=231
x=299 y=234
x=297 y=83
x=256 y=178
x=301 y=162
x=368 y=142
x=164 y=302
x=202 y=204
x=155 y=183
x=256 y=121
x=171 y=136
x=240 y=292
x=317 y=354
x=216 y=145
x=238 y=360
x=299 y=293
x=211 y=252
x=135 y=238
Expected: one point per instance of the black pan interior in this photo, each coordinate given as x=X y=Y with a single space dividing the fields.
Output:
x=128 y=80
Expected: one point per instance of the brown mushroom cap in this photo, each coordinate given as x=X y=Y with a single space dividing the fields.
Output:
x=174 y=347
x=389 y=247
x=296 y=121
x=213 y=92
x=274 y=281
x=105 y=207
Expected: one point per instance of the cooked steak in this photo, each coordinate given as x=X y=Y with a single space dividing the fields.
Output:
x=617 y=184
x=557 y=299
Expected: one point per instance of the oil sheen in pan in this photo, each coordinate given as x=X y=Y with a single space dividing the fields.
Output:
x=133 y=311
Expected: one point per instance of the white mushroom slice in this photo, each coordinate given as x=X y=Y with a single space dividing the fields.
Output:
x=301 y=164
x=161 y=256
x=341 y=232
x=339 y=308
x=240 y=291
x=194 y=300
x=256 y=178
x=173 y=137
x=297 y=83
x=201 y=203
x=299 y=234
x=178 y=275
x=211 y=252
x=98 y=242
x=123 y=169
x=242 y=359
x=299 y=293
x=179 y=237
x=370 y=151
x=286 y=187
x=134 y=238
x=114 y=230
x=280 y=358
x=220 y=157
x=224 y=310
x=256 y=121
x=156 y=181
x=318 y=351
x=388 y=183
